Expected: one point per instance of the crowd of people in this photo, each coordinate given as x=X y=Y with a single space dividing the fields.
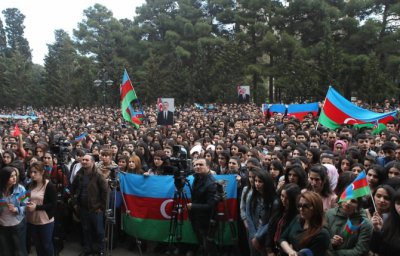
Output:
x=290 y=174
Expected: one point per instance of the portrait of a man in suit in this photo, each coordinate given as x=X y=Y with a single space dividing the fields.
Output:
x=165 y=117
x=243 y=94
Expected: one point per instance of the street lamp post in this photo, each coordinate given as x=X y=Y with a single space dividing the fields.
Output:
x=104 y=82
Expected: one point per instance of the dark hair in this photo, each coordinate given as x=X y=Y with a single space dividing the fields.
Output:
x=391 y=227
x=316 y=153
x=344 y=180
x=301 y=174
x=380 y=172
x=39 y=166
x=316 y=222
x=5 y=175
x=322 y=171
x=268 y=194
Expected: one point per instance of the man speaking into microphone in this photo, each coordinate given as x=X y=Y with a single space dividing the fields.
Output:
x=203 y=203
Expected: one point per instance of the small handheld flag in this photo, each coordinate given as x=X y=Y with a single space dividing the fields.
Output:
x=349 y=229
x=24 y=196
x=17 y=131
x=358 y=188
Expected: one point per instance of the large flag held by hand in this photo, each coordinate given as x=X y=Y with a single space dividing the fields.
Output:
x=338 y=111
x=150 y=201
x=301 y=110
x=358 y=188
x=128 y=97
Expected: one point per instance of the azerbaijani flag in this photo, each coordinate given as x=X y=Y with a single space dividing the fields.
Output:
x=150 y=199
x=128 y=97
x=338 y=111
x=301 y=110
x=81 y=137
x=358 y=188
x=349 y=229
x=24 y=196
x=3 y=203
x=277 y=108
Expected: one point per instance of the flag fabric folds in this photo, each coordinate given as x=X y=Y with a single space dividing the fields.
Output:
x=129 y=97
x=301 y=110
x=278 y=108
x=349 y=229
x=24 y=196
x=149 y=200
x=358 y=188
x=338 y=111
x=81 y=137
x=17 y=131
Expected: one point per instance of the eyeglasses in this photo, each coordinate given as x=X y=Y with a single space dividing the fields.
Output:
x=303 y=206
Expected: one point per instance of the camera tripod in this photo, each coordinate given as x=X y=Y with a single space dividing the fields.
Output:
x=218 y=221
x=179 y=204
x=110 y=219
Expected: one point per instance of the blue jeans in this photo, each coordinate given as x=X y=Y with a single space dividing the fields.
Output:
x=93 y=231
x=42 y=236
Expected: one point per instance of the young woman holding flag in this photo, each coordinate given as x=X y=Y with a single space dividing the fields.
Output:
x=12 y=212
x=386 y=235
x=349 y=228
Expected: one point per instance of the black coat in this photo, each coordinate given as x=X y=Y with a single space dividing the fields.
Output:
x=204 y=199
x=161 y=118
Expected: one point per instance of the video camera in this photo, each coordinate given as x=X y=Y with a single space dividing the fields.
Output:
x=61 y=149
x=113 y=181
x=181 y=166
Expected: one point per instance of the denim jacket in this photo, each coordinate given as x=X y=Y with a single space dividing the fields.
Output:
x=18 y=191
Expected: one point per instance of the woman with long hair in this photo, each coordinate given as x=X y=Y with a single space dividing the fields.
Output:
x=123 y=161
x=386 y=235
x=134 y=165
x=281 y=218
x=259 y=210
x=12 y=222
x=318 y=182
x=41 y=209
x=382 y=197
x=160 y=161
x=295 y=174
x=223 y=160
x=306 y=233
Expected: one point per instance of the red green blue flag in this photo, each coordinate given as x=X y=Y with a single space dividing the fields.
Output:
x=338 y=111
x=81 y=137
x=3 y=203
x=149 y=200
x=301 y=110
x=24 y=196
x=349 y=229
x=128 y=98
x=358 y=188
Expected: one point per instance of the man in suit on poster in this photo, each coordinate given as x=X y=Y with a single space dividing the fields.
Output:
x=165 y=117
x=243 y=95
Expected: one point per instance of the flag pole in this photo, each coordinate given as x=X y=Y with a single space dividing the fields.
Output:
x=138 y=100
x=372 y=198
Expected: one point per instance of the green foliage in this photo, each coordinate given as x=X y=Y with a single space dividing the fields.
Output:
x=199 y=51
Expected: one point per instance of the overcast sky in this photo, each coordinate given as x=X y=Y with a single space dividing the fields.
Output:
x=43 y=17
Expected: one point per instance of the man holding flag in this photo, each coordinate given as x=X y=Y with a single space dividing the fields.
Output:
x=347 y=223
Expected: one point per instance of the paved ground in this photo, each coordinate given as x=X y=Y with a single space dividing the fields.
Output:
x=72 y=247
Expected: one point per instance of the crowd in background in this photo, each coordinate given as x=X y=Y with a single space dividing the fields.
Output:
x=290 y=175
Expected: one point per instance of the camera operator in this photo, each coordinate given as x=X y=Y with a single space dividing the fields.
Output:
x=204 y=201
x=89 y=191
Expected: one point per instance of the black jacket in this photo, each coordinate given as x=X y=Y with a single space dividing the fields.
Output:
x=97 y=190
x=204 y=198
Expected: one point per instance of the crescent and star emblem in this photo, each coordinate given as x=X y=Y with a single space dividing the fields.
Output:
x=163 y=207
